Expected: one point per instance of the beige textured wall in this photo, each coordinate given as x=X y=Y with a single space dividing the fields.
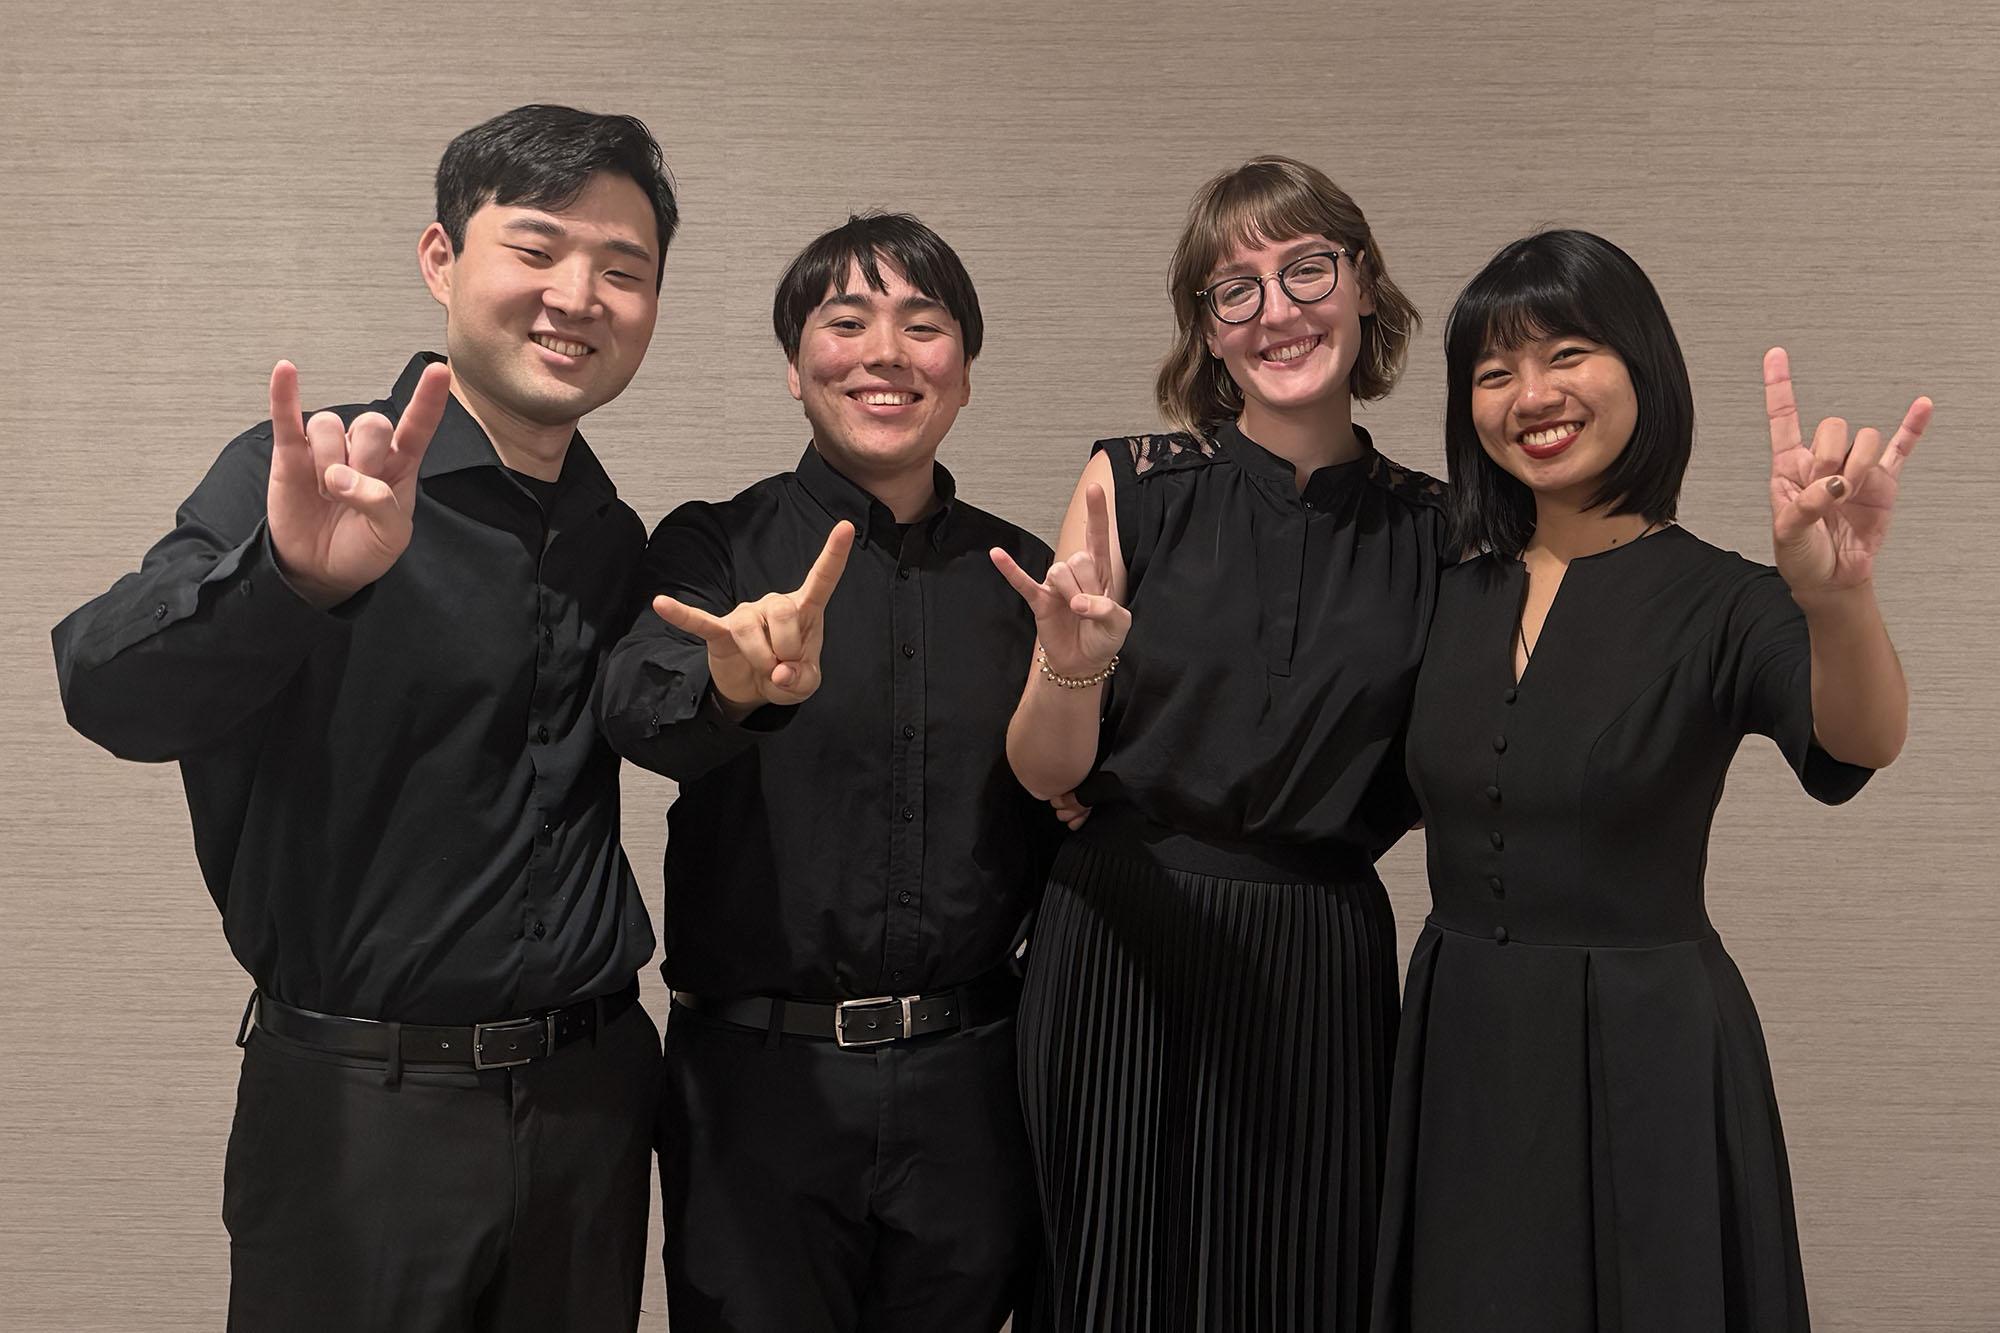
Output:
x=191 y=191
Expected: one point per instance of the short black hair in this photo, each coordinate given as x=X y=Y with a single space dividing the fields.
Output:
x=863 y=241
x=1545 y=286
x=540 y=156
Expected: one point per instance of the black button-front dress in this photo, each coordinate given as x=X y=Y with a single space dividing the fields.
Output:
x=1583 y=1133
x=1210 y=1006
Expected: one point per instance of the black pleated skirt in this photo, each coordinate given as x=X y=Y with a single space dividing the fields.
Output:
x=1206 y=1038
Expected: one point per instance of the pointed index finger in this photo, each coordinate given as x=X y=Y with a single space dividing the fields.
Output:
x=1779 y=404
x=418 y=423
x=826 y=570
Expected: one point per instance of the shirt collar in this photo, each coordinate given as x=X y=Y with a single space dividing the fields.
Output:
x=460 y=442
x=1260 y=462
x=842 y=498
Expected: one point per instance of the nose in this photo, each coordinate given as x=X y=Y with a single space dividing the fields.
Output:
x=1279 y=307
x=572 y=289
x=1539 y=392
x=882 y=345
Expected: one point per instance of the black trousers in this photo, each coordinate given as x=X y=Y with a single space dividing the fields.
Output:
x=500 y=1199
x=810 y=1189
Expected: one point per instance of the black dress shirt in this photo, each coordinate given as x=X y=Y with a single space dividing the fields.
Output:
x=871 y=840
x=402 y=806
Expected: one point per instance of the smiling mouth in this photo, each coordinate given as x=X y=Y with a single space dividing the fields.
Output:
x=560 y=346
x=1292 y=350
x=1548 y=441
x=884 y=397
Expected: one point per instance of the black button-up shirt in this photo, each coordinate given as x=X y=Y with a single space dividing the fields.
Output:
x=402 y=806
x=871 y=840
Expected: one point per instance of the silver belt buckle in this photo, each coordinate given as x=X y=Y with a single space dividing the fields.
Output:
x=517 y=1026
x=899 y=1006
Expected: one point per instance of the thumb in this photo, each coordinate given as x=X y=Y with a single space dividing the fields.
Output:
x=1812 y=504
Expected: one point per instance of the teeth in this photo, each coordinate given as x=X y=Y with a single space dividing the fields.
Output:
x=558 y=345
x=1549 y=435
x=1291 y=351
x=887 y=399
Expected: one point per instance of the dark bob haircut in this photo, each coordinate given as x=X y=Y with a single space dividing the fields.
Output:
x=542 y=157
x=863 y=241
x=1548 y=285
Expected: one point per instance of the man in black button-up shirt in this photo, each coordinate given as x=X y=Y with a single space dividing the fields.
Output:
x=829 y=678
x=372 y=656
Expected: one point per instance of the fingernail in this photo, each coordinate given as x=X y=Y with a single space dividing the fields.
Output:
x=1836 y=486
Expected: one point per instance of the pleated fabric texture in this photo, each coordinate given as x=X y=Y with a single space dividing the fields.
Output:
x=1610 y=1157
x=1205 y=1068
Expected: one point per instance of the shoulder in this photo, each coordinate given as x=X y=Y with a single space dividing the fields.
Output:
x=1412 y=487
x=982 y=528
x=1143 y=456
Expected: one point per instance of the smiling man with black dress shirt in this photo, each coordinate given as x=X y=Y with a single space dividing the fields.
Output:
x=828 y=672
x=370 y=642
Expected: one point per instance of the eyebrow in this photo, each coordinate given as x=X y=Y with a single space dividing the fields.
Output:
x=556 y=231
x=907 y=306
x=1298 y=249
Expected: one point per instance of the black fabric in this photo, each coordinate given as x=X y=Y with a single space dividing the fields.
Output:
x=1584 y=1134
x=446 y=1201
x=1210 y=1006
x=872 y=840
x=1275 y=640
x=1205 y=1065
x=402 y=807
x=811 y=1189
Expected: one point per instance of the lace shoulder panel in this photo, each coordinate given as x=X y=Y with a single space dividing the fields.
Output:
x=1407 y=483
x=1153 y=453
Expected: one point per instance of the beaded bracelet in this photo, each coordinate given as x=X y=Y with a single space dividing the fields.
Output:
x=1073 y=682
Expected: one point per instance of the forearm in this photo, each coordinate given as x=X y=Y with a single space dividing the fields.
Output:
x=1052 y=739
x=657 y=708
x=1861 y=702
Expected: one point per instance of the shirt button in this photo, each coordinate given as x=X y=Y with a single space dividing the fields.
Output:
x=539 y=931
x=1492 y=793
x=909 y=813
x=902 y=574
x=909 y=650
x=1499 y=745
x=1499 y=934
x=903 y=898
x=1495 y=883
x=548 y=637
x=246 y=587
x=548 y=831
x=909 y=732
x=542 y=735
x=1498 y=841
x=1510 y=696
x=895 y=976
x=160 y=611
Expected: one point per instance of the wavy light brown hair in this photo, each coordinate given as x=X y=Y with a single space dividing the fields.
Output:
x=1272 y=198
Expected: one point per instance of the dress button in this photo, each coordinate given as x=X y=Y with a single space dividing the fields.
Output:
x=1510 y=696
x=909 y=650
x=1495 y=883
x=909 y=732
x=1499 y=934
x=1498 y=841
x=1492 y=793
x=1499 y=745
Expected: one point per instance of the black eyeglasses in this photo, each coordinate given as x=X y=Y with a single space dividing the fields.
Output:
x=1307 y=279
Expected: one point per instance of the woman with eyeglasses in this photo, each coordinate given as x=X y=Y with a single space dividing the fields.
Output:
x=1228 y=642
x=1584 y=1134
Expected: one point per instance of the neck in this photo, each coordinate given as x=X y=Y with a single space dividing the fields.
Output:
x=909 y=493
x=1310 y=437
x=1565 y=531
x=526 y=446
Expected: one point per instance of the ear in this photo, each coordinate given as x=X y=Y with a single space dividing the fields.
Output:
x=965 y=385
x=792 y=378
x=1366 y=305
x=434 y=260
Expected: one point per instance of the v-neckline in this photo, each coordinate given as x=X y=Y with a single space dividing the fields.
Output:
x=1516 y=679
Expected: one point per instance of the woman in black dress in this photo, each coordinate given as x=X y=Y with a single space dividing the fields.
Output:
x=1583 y=1133
x=1228 y=643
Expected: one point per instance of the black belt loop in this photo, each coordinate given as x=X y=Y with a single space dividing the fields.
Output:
x=243 y=1028
x=775 y=1029
x=393 y=1076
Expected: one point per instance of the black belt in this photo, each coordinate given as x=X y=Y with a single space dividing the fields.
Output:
x=874 y=1020
x=513 y=1041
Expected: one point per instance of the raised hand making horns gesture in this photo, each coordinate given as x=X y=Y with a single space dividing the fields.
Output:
x=767 y=651
x=1830 y=504
x=1080 y=623
x=341 y=496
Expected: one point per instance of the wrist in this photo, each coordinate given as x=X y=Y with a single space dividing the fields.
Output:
x=1071 y=677
x=732 y=709
x=1839 y=601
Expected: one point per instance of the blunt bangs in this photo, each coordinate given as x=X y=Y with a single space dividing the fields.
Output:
x=1549 y=285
